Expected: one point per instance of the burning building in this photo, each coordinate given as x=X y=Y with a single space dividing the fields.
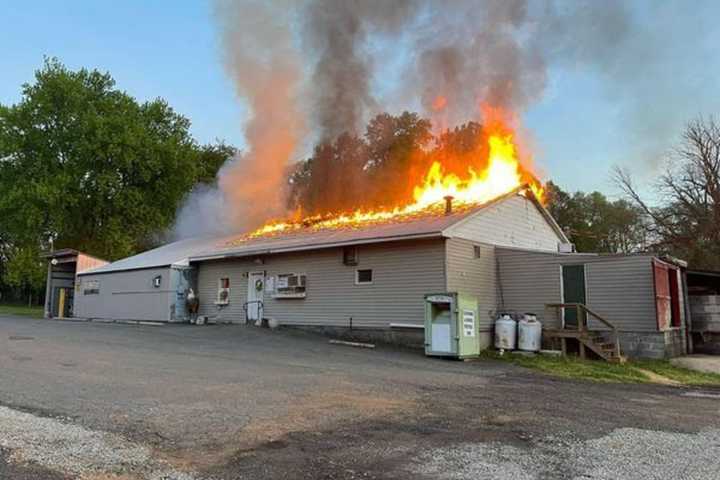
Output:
x=481 y=232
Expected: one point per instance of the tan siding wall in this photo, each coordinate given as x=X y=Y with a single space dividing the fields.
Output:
x=515 y=222
x=127 y=295
x=527 y=281
x=403 y=272
x=473 y=276
x=618 y=288
x=621 y=290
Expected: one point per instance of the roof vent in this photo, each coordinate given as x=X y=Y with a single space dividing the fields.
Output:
x=448 y=204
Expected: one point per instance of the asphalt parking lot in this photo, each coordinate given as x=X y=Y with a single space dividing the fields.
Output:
x=86 y=400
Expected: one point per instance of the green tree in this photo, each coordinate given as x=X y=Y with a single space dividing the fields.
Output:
x=88 y=165
x=595 y=224
x=210 y=158
x=26 y=271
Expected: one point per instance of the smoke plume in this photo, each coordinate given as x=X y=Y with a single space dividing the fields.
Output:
x=337 y=33
x=314 y=70
x=261 y=60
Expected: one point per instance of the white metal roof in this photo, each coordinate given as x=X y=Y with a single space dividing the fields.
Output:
x=176 y=253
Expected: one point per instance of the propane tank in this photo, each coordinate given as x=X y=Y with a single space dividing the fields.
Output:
x=529 y=333
x=505 y=332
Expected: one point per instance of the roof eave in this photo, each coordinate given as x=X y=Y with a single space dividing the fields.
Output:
x=305 y=247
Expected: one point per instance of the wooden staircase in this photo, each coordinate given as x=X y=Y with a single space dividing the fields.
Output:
x=605 y=344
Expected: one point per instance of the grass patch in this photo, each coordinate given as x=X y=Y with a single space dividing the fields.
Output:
x=679 y=374
x=600 y=371
x=22 y=310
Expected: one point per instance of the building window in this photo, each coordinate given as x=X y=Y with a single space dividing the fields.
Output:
x=157 y=281
x=91 y=287
x=350 y=256
x=477 y=251
x=223 y=293
x=363 y=277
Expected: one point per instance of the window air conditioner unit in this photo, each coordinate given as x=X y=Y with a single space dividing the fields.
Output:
x=291 y=285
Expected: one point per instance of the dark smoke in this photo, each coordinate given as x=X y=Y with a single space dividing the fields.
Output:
x=336 y=33
x=317 y=64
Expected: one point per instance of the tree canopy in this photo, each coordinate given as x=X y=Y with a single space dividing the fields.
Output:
x=594 y=223
x=87 y=165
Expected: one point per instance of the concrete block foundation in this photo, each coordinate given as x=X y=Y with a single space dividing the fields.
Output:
x=654 y=345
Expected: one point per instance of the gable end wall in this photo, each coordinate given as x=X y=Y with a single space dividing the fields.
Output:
x=514 y=222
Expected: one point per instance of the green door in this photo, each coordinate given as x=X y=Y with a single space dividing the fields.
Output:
x=573 y=282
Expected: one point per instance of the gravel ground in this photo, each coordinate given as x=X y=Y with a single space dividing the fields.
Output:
x=71 y=449
x=626 y=453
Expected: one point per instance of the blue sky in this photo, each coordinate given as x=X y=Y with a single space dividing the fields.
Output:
x=585 y=123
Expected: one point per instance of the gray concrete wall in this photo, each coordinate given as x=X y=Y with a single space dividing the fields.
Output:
x=705 y=311
x=403 y=272
x=654 y=345
x=514 y=222
x=127 y=295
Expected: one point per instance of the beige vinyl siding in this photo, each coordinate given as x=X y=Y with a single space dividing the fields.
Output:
x=473 y=276
x=209 y=275
x=403 y=272
x=527 y=281
x=126 y=295
x=619 y=288
x=514 y=222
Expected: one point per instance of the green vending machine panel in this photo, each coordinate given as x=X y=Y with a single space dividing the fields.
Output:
x=451 y=325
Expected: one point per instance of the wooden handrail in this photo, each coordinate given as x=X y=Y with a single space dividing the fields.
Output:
x=582 y=306
x=582 y=321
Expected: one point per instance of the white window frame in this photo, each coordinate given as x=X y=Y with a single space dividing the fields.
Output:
x=357 y=276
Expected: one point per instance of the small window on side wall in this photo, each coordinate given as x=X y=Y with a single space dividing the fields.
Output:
x=477 y=251
x=350 y=256
x=157 y=281
x=363 y=277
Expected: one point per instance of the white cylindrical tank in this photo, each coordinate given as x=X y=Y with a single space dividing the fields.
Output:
x=505 y=332
x=529 y=333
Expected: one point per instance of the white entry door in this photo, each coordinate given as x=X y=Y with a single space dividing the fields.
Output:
x=256 y=287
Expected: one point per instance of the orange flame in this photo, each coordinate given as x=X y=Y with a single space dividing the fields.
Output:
x=502 y=173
